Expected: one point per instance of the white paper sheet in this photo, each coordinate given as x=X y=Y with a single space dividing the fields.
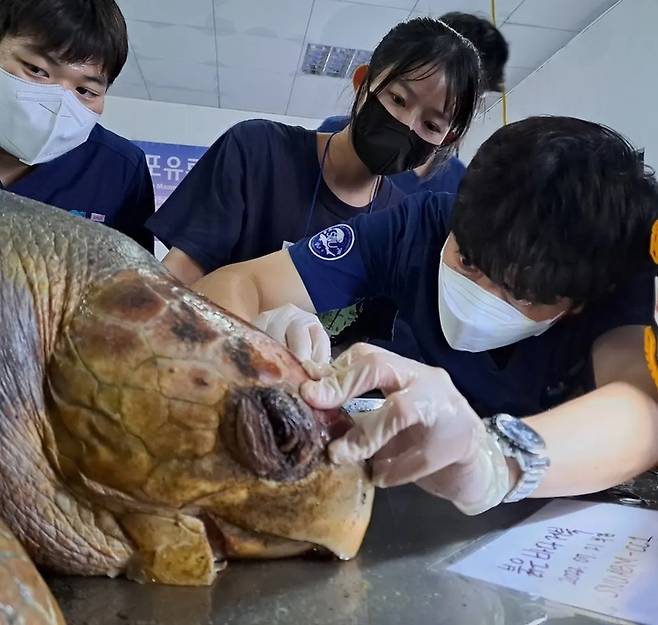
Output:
x=598 y=556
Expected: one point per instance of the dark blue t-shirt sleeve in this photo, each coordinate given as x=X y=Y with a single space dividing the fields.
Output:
x=630 y=304
x=139 y=205
x=334 y=124
x=369 y=259
x=447 y=178
x=203 y=216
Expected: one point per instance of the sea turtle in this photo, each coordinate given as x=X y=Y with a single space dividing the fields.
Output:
x=143 y=430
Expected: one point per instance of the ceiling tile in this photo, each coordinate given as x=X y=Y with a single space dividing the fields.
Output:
x=319 y=96
x=249 y=90
x=565 y=14
x=191 y=12
x=351 y=25
x=514 y=75
x=184 y=96
x=131 y=72
x=530 y=46
x=435 y=8
x=153 y=40
x=163 y=73
x=284 y=19
x=128 y=90
x=395 y=4
x=259 y=53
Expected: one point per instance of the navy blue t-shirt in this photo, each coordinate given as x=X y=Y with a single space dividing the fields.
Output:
x=106 y=179
x=445 y=179
x=251 y=192
x=397 y=254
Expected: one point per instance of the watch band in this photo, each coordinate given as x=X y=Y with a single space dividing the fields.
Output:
x=533 y=468
x=532 y=464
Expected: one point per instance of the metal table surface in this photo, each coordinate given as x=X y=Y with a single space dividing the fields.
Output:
x=399 y=578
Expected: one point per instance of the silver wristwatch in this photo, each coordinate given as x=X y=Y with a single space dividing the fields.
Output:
x=519 y=441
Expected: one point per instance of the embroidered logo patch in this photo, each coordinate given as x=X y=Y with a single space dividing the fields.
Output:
x=98 y=217
x=332 y=243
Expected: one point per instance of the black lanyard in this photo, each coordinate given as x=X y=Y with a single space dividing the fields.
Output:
x=311 y=210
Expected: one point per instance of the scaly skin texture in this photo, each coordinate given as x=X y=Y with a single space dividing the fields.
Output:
x=143 y=430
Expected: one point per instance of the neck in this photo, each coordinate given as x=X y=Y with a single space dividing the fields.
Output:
x=11 y=169
x=344 y=171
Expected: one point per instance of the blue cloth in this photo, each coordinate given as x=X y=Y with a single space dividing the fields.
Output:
x=251 y=192
x=106 y=179
x=396 y=254
x=445 y=179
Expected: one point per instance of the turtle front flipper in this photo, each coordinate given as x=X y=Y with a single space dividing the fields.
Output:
x=24 y=596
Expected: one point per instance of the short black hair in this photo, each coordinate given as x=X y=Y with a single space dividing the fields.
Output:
x=555 y=207
x=75 y=31
x=490 y=43
x=430 y=45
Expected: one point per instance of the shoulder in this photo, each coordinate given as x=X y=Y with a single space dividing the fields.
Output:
x=455 y=165
x=252 y=130
x=429 y=212
x=631 y=303
x=334 y=124
x=447 y=177
x=419 y=222
x=114 y=146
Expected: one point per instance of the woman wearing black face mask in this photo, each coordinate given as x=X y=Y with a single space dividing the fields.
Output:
x=263 y=184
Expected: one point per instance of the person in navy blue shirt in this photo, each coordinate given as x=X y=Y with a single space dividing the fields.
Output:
x=526 y=287
x=57 y=60
x=264 y=185
x=494 y=53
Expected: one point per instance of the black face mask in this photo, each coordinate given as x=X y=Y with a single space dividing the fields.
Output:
x=385 y=145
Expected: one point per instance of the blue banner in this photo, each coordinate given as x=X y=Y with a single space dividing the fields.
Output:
x=169 y=164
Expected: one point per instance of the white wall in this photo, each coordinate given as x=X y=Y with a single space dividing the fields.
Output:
x=148 y=120
x=606 y=74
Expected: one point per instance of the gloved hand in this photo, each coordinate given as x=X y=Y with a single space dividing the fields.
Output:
x=425 y=432
x=300 y=331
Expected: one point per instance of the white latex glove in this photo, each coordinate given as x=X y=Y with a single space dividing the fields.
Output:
x=425 y=432
x=300 y=331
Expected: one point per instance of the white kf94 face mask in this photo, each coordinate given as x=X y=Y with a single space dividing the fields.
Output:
x=475 y=320
x=38 y=123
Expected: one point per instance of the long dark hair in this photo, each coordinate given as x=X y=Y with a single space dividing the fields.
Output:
x=430 y=45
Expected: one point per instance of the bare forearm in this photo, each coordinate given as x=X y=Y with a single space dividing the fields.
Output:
x=254 y=286
x=231 y=290
x=598 y=440
x=182 y=266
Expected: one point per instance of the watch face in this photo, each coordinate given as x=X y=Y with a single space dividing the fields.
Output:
x=519 y=433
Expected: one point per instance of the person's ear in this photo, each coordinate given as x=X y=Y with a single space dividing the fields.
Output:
x=358 y=76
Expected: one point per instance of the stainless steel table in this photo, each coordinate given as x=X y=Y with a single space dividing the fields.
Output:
x=399 y=578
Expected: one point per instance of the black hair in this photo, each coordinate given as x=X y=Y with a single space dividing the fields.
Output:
x=75 y=31
x=555 y=207
x=429 y=45
x=490 y=43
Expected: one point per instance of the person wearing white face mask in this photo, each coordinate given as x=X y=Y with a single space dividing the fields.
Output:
x=525 y=289
x=57 y=60
x=529 y=287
